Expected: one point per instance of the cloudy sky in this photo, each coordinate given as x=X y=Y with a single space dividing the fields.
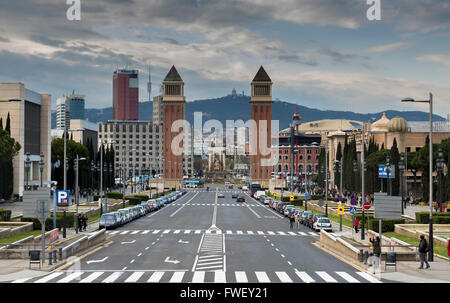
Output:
x=323 y=54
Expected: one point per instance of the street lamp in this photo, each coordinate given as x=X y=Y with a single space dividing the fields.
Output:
x=440 y=162
x=27 y=168
x=355 y=172
x=41 y=165
x=401 y=167
x=77 y=190
x=388 y=171
x=430 y=101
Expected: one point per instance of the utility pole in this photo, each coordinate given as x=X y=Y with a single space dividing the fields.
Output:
x=65 y=176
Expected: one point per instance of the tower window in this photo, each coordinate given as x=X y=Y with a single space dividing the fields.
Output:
x=262 y=90
x=173 y=90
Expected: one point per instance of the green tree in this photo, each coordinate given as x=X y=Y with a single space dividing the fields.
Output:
x=8 y=125
x=9 y=148
x=395 y=158
x=337 y=177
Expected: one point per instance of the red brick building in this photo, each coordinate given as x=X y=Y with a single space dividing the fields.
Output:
x=125 y=95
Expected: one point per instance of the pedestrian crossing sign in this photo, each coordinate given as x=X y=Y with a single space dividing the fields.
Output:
x=292 y=197
x=275 y=194
x=341 y=210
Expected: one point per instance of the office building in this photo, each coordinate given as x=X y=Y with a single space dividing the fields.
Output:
x=125 y=95
x=69 y=107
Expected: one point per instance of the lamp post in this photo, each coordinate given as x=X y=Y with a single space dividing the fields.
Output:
x=326 y=179
x=388 y=171
x=355 y=172
x=27 y=168
x=77 y=190
x=401 y=167
x=440 y=162
x=41 y=166
x=430 y=101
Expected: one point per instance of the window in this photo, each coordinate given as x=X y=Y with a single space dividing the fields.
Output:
x=130 y=136
x=137 y=141
x=137 y=159
x=173 y=90
x=124 y=142
x=131 y=142
x=309 y=157
x=301 y=157
x=309 y=151
x=117 y=136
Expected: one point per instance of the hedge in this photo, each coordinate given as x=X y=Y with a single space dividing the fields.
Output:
x=96 y=197
x=137 y=199
x=387 y=225
x=5 y=215
x=70 y=221
x=423 y=217
x=114 y=195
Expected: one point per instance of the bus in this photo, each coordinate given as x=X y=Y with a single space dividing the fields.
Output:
x=254 y=187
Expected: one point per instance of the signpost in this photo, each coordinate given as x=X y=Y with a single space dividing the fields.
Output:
x=42 y=212
x=340 y=198
x=306 y=201
x=291 y=198
x=382 y=171
x=353 y=210
x=353 y=202
x=367 y=205
x=387 y=207
x=341 y=210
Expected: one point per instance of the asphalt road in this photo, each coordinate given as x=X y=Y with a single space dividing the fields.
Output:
x=201 y=238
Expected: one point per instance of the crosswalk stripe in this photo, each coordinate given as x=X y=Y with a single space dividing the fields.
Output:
x=177 y=231
x=313 y=233
x=71 y=277
x=239 y=232
x=113 y=277
x=135 y=232
x=347 y=277
x=250 y=232
x=262 y=277
x=156 y=231
x=21 y=280
x=292 y=233
x=270 y=232
x=209 y=263
x=283 y=276
x=218 y=232
x=166 y=231
x=209 y=267
x=229 y=232
x=177 y=277
x=145 y=232
x=326 y=276
x=208 y=232
x=304 y=277
x=49 y=277
x=198 y=277
x=187 y=231
x=241 y=277
x=210 y=259
x=156 y=276
x=125 y=232
x=219 y=277
x=134 y=277
x=281 y=233
x=302 y=233
x=113 y=232
x=260 y=232
x=209 y=256
x=368 y=277
x=92 y=277
x=198 y=231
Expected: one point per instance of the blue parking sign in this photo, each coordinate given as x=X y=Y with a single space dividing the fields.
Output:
x=62 y=198
x=353 y=210
x=307 y=196
x=340 y=198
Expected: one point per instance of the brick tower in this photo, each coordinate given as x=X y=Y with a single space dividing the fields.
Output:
x=173 y=110
x=261 y=102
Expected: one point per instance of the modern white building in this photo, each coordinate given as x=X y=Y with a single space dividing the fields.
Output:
x=69 y=107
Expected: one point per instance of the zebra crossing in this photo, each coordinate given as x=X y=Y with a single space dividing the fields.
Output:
x=216 y=276
x=208 y=231
x=218 y=204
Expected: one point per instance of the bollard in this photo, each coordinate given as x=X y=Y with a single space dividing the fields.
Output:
x=361 y=255
x=366 y=257
x=60 y=254
x=49 y=258
x=54 y=256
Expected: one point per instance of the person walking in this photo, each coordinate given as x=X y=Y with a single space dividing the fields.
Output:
x=291 y=221
x=297 y=220
x=356 y=224
x=85 y=219
x=423 y=250
x=79 y=224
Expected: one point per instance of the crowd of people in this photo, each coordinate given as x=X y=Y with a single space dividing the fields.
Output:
x=82 y=220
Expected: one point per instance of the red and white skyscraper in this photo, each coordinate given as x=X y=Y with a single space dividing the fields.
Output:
x=125 y=95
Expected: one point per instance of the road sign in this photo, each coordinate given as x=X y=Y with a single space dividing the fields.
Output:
x=353 y=202
x=42 y=210
x=29 y=200
x=320 y=202
x=387 y=207
x=62 y=198
x=275 y=194
x=382 y=171
x=367 y=205
x=282 y=191
x=307 y=196
x=341 y=210
x=340 y=198
x=353 y=210
x=292 y=197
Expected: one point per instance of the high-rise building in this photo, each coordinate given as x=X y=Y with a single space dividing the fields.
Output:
x=125 y=95
x=69 y=107
x=149 y=84
x=157 y=109
x=30 y=116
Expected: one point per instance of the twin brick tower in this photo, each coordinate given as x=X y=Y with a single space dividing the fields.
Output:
x=174 y=108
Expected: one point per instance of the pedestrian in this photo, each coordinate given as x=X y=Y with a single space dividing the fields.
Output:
x=291 y=221
x=79 y=224
x=297 y=220
x=376 y=248
x=423 y=250
x=355 y=225
x=85 y=219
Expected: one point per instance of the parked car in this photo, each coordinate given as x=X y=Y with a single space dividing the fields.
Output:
x=303 y=217
x=240 y=199
x=287 y=210
x=126 y=214
x=244 y=187
x=267 y=200
x=280 y=206
x=261 y=198
x=220 y=195
x=230 y=186
x=308 y=220
x=316 y=217
x=235 y=195
x=122 y=218
x=323 y=223
x=109 y=221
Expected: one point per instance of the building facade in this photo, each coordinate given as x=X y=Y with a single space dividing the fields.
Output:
x=69 y=107
x=157 y=109
x=137 y=146
x=30 y=115
x=125 y=95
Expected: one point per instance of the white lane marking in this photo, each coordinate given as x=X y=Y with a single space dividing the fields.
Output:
x=166 y=231
x=135 y=232
x=139 y=254
x=112 y=277
x=156 y=231
x=171 y=261
x=49 y=277
x=187 y=231
x=197 y=231
x=177 y=277
x=283 y=276
x=305 y=277
x=313 y=233
x=147 y=248
x=132 y=261
x=210 y=263
x=21 y=280
x=272 y=244
x=113 y=232
x=125 y=232
x=209 y=267
x=326 y=276
x=282 y=256
x=157 y=275
x=134 y=277
x=130 y=242
x=239 y=232
x=209 y=256
x=270 y=232
x=249 y=232
x=199 y=277
x=208 y=231
x=97 y=261
x=92 y=277
x=302 y=233
x=289 y=263
x=277 y=249
x=145 y=232
x=177 y=231
x=175 y=212
x=248 y=206
x=347 y=277
x=183 y=242
x=241 y=277
x=229 y=232
x=260 y=232
x=281 y=233
x=262 y=277
x=291 y=233
x=71 y=277
x=368 y=277
x=219 y=277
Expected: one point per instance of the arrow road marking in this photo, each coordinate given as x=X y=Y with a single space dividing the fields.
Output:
x=97 y=261
x=171 y=261
x=131 y=242
x=183 y=242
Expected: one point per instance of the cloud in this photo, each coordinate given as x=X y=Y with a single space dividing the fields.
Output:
x=436 y=58
x=388 y=47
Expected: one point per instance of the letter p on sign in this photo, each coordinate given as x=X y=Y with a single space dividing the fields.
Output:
x=62 y=198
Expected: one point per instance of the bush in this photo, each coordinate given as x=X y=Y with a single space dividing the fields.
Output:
x=143 y=197
x=387 y=225
x=96 y=197
x=5 y=215
x=423 y=217
x=70 y=221
x=135 y=200
x=114 y=195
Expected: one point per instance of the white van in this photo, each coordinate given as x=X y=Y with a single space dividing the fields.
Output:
x=259 y=193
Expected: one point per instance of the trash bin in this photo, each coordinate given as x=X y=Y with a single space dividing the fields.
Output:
x=391 y=260
x=35 y=257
